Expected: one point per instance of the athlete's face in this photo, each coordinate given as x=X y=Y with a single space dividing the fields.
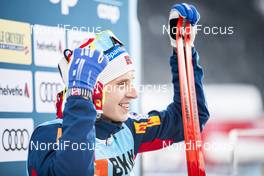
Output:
x=118 y=94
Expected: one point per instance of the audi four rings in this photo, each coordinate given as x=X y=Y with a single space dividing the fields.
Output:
x=15 y=139
x=48 y=91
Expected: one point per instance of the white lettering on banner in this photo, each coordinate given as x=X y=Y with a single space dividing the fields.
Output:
x=47 y=85
x=16 y=91
x=15 y=135
x=65 y=5
x=108 y=12
x=49 y=43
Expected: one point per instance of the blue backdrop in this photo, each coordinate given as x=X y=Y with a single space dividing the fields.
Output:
x=105 y=14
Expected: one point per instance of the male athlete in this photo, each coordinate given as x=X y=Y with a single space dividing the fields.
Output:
x=86 y=143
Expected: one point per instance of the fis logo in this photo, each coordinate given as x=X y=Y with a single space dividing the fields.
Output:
x=65 y=5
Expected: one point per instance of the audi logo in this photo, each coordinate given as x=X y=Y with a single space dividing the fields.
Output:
x=15 y=139
x=48 y=91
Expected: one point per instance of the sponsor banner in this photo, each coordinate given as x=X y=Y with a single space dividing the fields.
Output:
x=77 y=38
x=49 y=44
x=15 y=135
x=15 y=42
x=47 y=85
x=16 y=91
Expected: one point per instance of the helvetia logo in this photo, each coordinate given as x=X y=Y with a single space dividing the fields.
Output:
x=15 y=91
x=50 y=46
x=26 y=91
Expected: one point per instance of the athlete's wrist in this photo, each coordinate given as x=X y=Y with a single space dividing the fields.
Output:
x=76 y=91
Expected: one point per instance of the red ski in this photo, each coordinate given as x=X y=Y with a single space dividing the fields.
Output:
x=192 y=136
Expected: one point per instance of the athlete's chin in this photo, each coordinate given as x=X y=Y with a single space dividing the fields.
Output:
x=121 y=114
x=124 y=118
x=121 y=117
x=117 y=115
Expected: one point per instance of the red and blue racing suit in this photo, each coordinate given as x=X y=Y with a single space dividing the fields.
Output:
x=108 y=148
